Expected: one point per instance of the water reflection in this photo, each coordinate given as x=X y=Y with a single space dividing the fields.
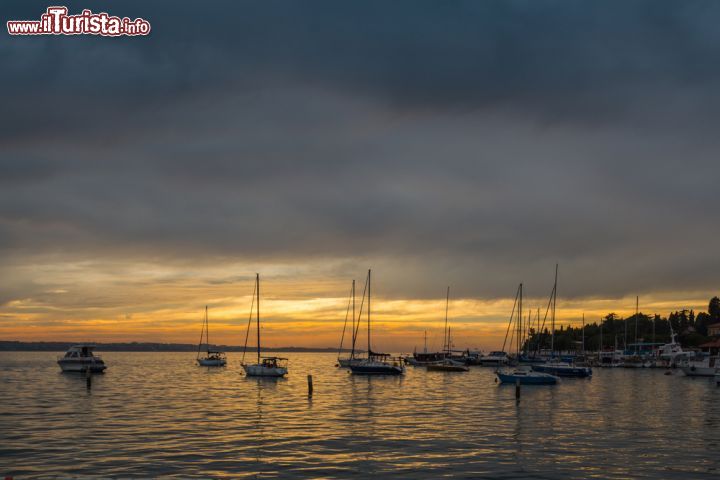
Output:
x=155 y=414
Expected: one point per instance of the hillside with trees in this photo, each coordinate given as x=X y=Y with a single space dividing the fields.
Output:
x=691 y=328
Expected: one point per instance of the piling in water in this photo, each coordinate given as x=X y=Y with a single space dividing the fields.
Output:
x=310 y=386
x=88 y=378
x=517 y=389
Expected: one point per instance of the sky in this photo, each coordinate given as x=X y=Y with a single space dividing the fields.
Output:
x=473 y=144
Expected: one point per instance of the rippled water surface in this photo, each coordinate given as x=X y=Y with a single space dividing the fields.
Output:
x=157 y=414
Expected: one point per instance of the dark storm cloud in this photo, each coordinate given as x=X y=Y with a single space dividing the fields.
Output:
x=463 y=142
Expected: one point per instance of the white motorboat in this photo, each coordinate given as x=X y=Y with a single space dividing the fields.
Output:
x=265 y=366
x=671 y=354
x=705 y=367
x=80 y=358
x=212 y=358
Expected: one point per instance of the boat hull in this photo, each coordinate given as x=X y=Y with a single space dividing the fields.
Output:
x=376 y=369
x=537 y=378
x=82 y=366
x=447 y=368
x=210 y=362
x=699 y=371
x=263 y=371
x=346 y=362
x=564 y=371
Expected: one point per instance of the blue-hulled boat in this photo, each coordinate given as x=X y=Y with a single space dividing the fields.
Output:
x=562 y=369
x=526 y=377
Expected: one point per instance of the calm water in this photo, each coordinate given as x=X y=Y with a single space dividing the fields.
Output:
x=157 y=414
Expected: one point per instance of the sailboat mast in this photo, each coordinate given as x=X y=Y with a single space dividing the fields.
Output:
x=352 y=352
x=583 y=334
x=552 y=336
x=257 y=281
x=207 y=330
x=368 y=314
x=202 y=334
x=538 y=334
x=447 y=329
x=520 y=319
x=527 y=332
x=625 y=338
x=637 y=300
x=425 y=348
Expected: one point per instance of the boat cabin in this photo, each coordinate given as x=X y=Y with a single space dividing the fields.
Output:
x=215 y=355
x=274 y=362
x=80 y=351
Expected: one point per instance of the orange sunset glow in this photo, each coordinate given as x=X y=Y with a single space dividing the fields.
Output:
x=109 y=303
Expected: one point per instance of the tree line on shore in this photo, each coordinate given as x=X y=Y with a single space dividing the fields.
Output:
x=690 y=328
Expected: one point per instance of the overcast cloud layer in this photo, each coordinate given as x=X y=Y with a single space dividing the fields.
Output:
x=473 y=143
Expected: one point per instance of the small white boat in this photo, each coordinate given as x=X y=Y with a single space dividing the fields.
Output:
x=80 y=358
x=265 y=366
x=212 y=358
x=706 y=367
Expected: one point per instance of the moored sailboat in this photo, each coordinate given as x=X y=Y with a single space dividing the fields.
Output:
x=554 y=366
x=212 y=358
x=522 y=375
x=447 y=364
x=345 y=362
x=376 y=363
x=421 y=359
x=265 y=366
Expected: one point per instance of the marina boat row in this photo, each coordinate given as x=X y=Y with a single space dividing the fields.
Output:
x=534 y=364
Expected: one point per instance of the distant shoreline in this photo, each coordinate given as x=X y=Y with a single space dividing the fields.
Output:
x=16 y=346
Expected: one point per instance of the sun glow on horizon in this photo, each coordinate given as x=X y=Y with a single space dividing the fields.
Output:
x=158 y=307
